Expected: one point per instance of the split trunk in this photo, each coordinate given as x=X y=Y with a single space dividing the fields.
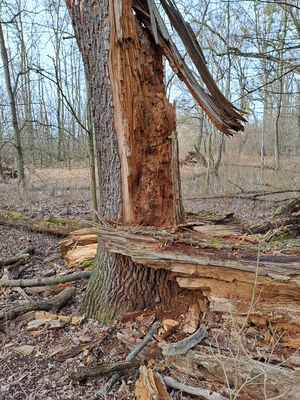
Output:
x=134 y=124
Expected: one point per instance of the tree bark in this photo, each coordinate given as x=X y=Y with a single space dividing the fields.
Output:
x=133 y=123
x=13 y=109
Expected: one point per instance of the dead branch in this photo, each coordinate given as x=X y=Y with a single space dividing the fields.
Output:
x=105 y=388
x=203 y=393
x=104 y=369
x=181 y=347
x=241 y=373
x=290 y=207
x=45 y=281
x=56 y=302
x=17 y=259
x=294 y=222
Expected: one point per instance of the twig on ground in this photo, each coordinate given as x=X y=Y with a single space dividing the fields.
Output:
x=106 y=387
x=204 y=393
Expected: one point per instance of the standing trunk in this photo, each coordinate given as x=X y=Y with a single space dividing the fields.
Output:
x=133 y=123
x=13 y=109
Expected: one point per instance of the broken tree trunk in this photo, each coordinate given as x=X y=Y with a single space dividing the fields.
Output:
x=232 y=274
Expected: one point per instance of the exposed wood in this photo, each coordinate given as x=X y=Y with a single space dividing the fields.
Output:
x=241 y=373
x=21 y=221
x=195 y=391
x=150 y=386
x=45 y=281
x=103 y=369
x=224 y=115
x=55 y=302
x=181 y=347
x=232 y=274
x=222 y=267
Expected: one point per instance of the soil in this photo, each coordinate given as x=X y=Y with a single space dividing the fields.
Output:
x=55 y=354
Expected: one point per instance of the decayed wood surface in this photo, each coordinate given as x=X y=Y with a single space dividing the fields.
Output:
x=227 y=268
x=243 y=374
x=223 y=114
x=79 y=246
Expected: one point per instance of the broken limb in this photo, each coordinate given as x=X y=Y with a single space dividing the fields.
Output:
x=195 y=391
x=56 y=302
x=45 y=281
x=181 y=347
x=104 y=369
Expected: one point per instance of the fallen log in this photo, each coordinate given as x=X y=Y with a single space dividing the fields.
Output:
x=233 y=275
x=293 y=222
x=16 y=259
x=55 y=302
x=45 y=281
x=240 y=374
x=79 y=246
x=103 y=369
x=290 y=207
x=54 y=226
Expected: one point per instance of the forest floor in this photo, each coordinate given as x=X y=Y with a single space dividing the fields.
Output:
x=37 y=364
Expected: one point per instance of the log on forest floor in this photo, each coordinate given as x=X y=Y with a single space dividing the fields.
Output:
x=52 y=280
x=55 y=302
x=234 y=274
x=242 y=375
x=54 y=226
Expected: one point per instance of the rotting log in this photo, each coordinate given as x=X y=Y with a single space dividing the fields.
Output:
x=243 y=375
x=235 y=276
x=55 y=302
x=79 y=246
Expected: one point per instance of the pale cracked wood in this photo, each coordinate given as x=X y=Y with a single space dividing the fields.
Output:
x=253 y=378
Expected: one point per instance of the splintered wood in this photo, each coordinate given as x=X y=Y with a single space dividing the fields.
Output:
x=233 y=277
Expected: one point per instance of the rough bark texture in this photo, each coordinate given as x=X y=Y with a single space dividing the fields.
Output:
x=133 y=124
